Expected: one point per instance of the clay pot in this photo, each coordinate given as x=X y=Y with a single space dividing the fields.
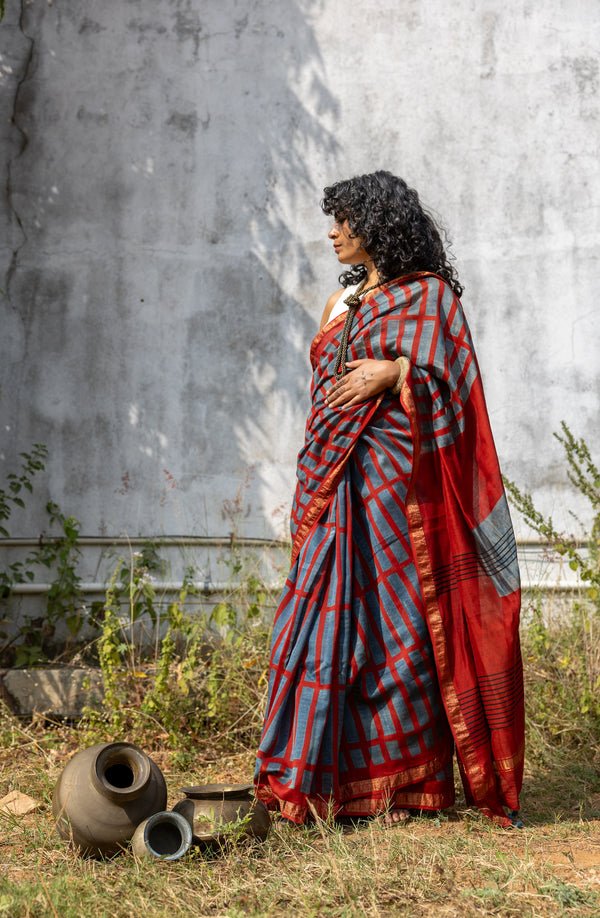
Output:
x=210 y=807
x=103 y=794
x=165 y=836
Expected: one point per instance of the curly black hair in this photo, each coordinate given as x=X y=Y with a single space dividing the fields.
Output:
x=395 y=229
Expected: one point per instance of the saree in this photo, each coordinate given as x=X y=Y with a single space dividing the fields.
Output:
x=395 y=642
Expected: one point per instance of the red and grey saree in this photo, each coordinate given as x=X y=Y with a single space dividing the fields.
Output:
x=396 y=638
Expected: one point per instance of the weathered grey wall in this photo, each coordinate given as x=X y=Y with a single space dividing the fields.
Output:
x=165 y=262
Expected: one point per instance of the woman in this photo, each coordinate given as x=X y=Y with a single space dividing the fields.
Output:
x=396 y=638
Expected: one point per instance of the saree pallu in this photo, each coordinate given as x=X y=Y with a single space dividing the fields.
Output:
x=396 y=637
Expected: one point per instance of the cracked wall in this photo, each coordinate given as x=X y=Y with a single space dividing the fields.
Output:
x=164 y=260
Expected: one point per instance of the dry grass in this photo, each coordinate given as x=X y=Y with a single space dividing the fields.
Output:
x=457 y=864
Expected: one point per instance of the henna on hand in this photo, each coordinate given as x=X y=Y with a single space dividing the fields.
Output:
x=365 y=379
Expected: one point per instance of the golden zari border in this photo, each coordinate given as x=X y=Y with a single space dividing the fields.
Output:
x=321 y=499
x=395 y=781
x=510 y=763
x=480 y=783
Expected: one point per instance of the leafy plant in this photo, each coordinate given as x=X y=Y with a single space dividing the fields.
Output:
x=563 y=656
x=64 y=599
x=583 y=473
x=33 y=462
x=110 y=648
x=33 y=640
x=207 y=665
x=176 y=673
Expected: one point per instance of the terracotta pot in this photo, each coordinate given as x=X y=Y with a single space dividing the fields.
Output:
x=103 y=794
x=165 y=836
x=210 y=807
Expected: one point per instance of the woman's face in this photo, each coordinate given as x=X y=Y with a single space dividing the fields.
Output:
x=348 y=247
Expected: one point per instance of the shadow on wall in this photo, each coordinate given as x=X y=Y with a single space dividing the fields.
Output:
x=160 y=155
x=261 y=370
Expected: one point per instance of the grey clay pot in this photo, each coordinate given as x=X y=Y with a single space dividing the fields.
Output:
x=165 y=836
x=210 y=807
x=103 y=794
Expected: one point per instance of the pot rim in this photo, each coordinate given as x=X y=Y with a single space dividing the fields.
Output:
x=181 y=823
x=122 y=753
x=220 y=791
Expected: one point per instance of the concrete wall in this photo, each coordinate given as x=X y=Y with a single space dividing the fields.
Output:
x=164 y=260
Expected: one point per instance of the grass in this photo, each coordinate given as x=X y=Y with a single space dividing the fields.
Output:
x=457 y=866
x=198 y=710
x=452 y=864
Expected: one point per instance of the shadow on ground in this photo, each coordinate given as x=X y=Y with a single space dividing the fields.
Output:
x=561 y=791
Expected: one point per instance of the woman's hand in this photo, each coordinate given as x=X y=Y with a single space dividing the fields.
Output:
x=366 y=379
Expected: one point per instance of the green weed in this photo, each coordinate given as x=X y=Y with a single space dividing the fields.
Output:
x=35 y=639
x=563 y=654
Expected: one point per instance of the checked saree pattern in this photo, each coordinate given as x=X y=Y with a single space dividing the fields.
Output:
x=396 y=637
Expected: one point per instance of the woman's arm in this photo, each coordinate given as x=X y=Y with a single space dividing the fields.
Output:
x=366 y=379
x=329 y=306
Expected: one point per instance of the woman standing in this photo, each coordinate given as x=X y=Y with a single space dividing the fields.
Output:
x=396 y=638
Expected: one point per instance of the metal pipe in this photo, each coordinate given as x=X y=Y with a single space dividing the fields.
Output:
x=215 y=541
x=209 y=541
x=161 y=586
x=208 y=587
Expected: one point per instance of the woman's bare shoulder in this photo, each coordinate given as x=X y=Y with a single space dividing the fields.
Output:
x=329 y=306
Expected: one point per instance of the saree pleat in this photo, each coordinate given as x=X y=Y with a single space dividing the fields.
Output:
x=396 y=634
